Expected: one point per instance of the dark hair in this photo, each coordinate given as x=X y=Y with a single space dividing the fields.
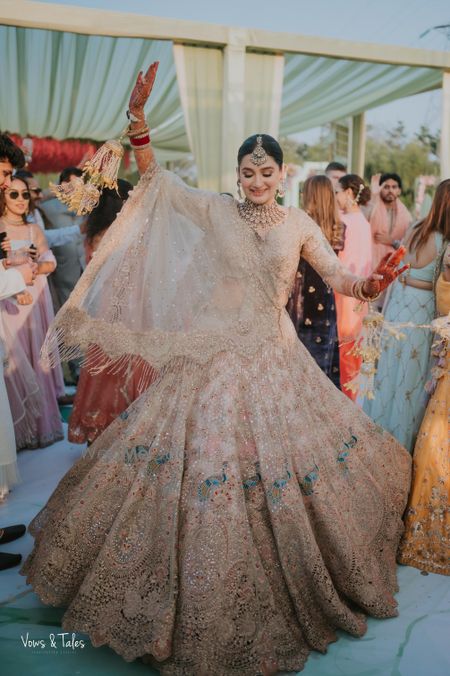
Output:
x=438 y=219
x=11 y=152
x=66 y=173
x=31 y=203
x=110 y=203
x=23 y=173
x=335 y=166
x=270 y=145
x=361 y=194
x=391 y=177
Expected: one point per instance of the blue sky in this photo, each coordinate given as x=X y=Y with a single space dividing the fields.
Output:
x=398 y=22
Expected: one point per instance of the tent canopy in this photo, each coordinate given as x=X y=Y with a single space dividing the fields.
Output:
x=68 y=73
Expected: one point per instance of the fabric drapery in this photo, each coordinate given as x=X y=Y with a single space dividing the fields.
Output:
x=318 y=90
x=76 y=86
x=200 y=78
x=263 y=91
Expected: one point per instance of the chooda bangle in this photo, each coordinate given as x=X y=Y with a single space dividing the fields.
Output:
x=139 y=142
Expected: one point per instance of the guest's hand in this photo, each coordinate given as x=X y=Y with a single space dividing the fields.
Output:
x=28 y=272
x=142 y=90
x=24 y=298
x=385 y=273
x=381 y=238
x=375 y=186
x=6 y=245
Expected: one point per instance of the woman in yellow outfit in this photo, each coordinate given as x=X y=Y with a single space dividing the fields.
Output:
x=426 y=540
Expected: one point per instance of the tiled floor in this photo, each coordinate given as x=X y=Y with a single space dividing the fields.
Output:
x=414 y=644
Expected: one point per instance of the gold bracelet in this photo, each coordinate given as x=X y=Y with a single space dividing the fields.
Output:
x=131 y=133
x=359 y=294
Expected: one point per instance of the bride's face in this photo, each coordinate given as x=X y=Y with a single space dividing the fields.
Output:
x=259 y=183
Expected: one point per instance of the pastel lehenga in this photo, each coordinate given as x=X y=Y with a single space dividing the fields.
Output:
x=426 y=541
x=403 y=367
x=242 y=509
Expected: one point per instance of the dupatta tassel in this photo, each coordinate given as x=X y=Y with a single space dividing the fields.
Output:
x=82 y=194
x=368 y=347
x=102 y=169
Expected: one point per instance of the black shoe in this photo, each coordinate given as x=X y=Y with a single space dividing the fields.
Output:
x=9 y=560
x=11 y=533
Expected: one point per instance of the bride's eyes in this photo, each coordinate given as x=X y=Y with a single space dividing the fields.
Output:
x=269 y=175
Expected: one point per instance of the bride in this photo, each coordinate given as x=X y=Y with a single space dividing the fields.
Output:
x=242 y=509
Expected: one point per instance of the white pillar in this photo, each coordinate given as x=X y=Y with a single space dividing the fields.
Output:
x=445 y=127
x=233 y=109
x=357 y=145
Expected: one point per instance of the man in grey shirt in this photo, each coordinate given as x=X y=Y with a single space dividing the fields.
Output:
x=70 y=256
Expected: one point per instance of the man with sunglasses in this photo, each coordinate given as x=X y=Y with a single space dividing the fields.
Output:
x=12 y=282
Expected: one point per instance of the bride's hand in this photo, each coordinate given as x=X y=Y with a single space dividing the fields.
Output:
x=385 y=273
x=142 y=90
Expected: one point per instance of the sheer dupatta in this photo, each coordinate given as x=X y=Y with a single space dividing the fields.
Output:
x=176 y=275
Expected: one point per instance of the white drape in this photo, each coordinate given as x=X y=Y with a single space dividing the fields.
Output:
x=200 y=78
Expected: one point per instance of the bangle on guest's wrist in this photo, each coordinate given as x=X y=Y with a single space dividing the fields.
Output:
x=396 y=244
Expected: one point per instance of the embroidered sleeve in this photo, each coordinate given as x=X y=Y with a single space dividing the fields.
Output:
x=318 y=252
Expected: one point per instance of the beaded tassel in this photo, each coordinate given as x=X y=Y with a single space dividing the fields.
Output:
x=83 y=194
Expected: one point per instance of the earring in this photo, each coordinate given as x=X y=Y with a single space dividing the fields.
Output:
x=282 y=188
x=239 y=190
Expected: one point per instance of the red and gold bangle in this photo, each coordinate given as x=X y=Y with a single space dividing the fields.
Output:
x=139 y=141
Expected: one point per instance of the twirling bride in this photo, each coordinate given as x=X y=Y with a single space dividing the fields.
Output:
x=242 y=509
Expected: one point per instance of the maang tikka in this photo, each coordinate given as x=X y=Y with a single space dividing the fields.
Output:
x=259 y=155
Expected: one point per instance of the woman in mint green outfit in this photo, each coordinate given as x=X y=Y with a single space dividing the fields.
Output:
x=403 y=368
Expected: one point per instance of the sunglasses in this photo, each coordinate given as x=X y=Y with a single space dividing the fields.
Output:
x=15 y=194
x=36 y=190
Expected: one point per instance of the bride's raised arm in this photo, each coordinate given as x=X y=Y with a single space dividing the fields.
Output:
x=139 y=132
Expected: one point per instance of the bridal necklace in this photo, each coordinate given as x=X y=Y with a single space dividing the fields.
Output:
x=261 y=217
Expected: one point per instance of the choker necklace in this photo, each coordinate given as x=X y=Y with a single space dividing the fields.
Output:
x=261 y=217
x=8 y=222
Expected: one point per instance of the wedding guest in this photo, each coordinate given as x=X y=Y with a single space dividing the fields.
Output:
x=13 y=281
x=334 y=171
x=312 y=302
x=69 y=257
x=402 y=371
x=27 y=326
x=388 y=217
x=425 y=542
x=351 y=194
